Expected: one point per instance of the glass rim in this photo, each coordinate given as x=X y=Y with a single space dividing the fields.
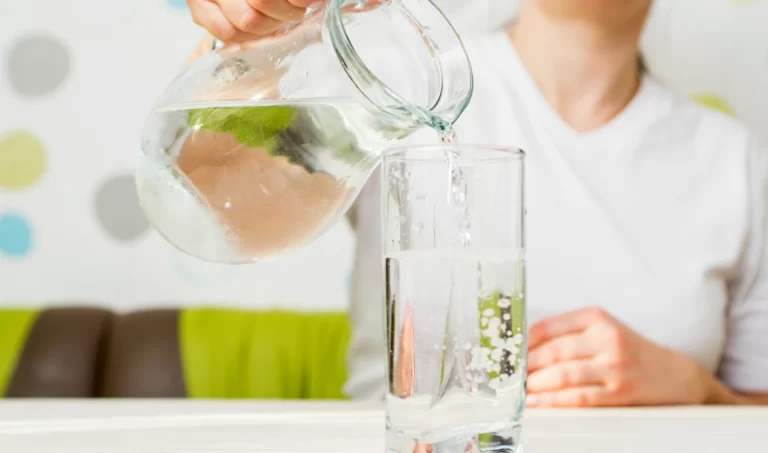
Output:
x=501 y=153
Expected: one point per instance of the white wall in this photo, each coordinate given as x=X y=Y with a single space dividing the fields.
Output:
x=77 y=78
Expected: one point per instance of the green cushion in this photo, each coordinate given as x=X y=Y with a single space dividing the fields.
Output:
x=14 y=329
x=263 y=354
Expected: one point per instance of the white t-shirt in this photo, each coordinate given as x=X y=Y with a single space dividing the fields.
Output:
x=659 y=217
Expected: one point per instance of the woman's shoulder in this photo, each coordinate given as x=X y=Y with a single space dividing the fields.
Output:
x=702 y=121
x=717 y=140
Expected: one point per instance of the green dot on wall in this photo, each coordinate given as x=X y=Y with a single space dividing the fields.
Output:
x=714 y=102
x=22 y=160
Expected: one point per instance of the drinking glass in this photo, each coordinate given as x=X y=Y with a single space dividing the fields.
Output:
x=455 y=298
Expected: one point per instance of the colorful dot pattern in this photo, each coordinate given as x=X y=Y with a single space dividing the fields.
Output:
x=715 y=102
x=177 y=4
x=117 y=208
x=37 y=65
x=22 y=164
x=23 y=160
x=15 y=235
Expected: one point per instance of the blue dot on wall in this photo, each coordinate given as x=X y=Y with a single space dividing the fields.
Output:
x=15 y=235
x=177 y=4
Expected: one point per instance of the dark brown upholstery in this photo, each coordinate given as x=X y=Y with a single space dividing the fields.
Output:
x=63 y=354
x=143 y=357
x=87 y=352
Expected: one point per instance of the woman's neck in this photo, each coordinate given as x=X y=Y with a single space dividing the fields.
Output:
x=588 y=73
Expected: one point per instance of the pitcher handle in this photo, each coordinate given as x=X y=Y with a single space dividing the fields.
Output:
x=217 y=44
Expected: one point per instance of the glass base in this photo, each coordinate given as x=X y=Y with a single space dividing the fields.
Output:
x=501 y=441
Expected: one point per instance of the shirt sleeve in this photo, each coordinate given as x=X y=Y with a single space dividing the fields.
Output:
x=744 y=366
x=366 y=358
x=367 y=355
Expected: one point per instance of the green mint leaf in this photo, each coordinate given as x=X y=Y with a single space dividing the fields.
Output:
x=255 y=127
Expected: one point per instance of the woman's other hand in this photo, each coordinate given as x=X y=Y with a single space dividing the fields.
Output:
x=244 y=20
x=588 y=358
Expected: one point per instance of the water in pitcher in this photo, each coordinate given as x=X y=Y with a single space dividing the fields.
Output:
x=228 y=181
x=256 y=148
x=456 y=342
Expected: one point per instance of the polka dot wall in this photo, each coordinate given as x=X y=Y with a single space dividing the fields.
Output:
x=76 y=85
x=77 y=82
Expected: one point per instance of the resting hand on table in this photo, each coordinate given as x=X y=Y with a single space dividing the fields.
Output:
x=588 y=358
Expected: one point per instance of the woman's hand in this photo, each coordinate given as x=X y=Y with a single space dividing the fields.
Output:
x=245 y=20
x=588 y=358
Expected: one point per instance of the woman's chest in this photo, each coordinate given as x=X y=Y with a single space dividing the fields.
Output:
x=658 y=263
x=652 y=249
x=664 y=297
x=649 y=234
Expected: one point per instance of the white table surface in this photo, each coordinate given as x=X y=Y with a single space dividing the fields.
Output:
x=177 y=426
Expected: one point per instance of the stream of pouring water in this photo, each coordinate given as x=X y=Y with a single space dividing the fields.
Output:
x=457 y=184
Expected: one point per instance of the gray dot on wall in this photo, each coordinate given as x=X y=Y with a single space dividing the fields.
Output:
x=37 y=64
x=118 y=209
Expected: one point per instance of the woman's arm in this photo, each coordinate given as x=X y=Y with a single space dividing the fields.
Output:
x=720 y=394
x=589 y=358
x=744 y=368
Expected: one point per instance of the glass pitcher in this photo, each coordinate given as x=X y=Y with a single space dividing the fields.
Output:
x=255 y=149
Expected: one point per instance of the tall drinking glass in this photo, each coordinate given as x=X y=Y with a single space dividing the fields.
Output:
x=455 y=299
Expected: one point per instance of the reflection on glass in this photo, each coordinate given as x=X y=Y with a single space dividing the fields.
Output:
x=455 y=299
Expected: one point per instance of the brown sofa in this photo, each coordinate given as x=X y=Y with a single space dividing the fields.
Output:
x=62 y=355
x=82 y=352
